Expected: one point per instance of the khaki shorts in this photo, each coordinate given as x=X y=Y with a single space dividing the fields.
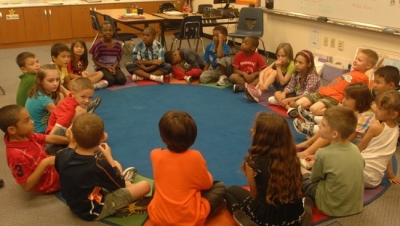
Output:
x=327 y=101
x=114 y=201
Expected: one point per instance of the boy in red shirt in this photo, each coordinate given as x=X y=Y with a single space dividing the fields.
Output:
x=247 y=65
x=26 y=158
x=332 y=94
x=185 y=193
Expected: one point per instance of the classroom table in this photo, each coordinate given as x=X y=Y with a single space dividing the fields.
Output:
x=116 y=14
x=210 y=21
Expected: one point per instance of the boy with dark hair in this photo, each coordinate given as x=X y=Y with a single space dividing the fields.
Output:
x=26 y=158
x=247 y=65
x=148 y=59
x=336 y=182
x=218 y=64
x=385 y=78
x=185 y=192
x=60 y=56
x=186 y=64
x=92 y=184
x=29 y=65
x=332 y=94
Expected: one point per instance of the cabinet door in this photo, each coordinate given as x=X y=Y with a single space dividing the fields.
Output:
x=36 y=23
x=12 y=29
x=59 y=19
x=81 y=22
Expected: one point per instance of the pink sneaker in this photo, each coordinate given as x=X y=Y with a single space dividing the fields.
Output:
x=252 y=92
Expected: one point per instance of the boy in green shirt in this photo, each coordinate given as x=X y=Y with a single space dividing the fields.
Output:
x=29 y=65
x=336 y=182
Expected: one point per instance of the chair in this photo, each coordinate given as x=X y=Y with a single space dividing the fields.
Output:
x=191 y=28
x=168 y=25
x=95 y=24
x=251 y=23
x=123 y=37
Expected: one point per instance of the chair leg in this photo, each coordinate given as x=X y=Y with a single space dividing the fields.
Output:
x=202 y=44
x=2 y=90
x=190 y=46
x=172 y=44
x=265 y=51
x=95 y=39
x=197 y=44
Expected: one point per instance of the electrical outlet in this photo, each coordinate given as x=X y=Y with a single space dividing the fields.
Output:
x=340 y=45
x=326 y=41
x=333 y=42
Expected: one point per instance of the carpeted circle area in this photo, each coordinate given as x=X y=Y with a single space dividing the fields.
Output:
x=223 y=119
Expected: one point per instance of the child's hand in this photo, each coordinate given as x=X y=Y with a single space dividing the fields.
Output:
x=111 y=70
x=105 y=149
x=393 y=179
x=278 y=63
x=221 y=38
x=144 y=68
x=310 y=158
x=282 y=96
x=158 y=62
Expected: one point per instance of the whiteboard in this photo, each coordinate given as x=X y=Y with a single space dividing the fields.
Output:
x=384 y=13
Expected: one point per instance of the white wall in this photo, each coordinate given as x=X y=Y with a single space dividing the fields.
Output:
x=297 y=32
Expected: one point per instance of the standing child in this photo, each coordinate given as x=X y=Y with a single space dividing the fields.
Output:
x=44 y=96
x=379 y=142
x=60 y=55
x=336 y=182
x=273 y=173
x=185 y=192
x=218 y=64
x=79 y=62
x=148 y=59
x=94 y=185
x=332 y=94
x=186 y=64
x=107 y=54
x=29 y=65
x=277 y=74
x=26 y=158
x=247 y=65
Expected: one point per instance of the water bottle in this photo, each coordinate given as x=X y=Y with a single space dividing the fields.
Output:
x=186 y=8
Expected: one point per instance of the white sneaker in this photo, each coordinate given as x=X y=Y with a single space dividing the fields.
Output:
x=100 y=84
x=222 y=80
x=273 y=101
x=159 y=79
x=189 y=79
x=305 y=164
x=136 y=78
x=129 y=174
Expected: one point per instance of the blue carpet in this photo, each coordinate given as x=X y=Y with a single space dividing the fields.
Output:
x=223 y=119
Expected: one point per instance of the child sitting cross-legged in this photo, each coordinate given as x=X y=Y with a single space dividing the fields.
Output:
x=336 y=182
x=93 y=184
x=26 y=157
x=148 y=59
x=247 y=65
x=185 y=192
x=186 y=64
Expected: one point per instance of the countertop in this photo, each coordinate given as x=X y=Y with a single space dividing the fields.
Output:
x=21 y=4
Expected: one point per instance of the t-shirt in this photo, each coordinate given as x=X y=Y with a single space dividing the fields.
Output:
x=249 y=64
x=80 y=66
x=210 y=54
x=82 y=178
x=338 y=169
x=26 y=83
x=285 y=70
x=106 y=55
x=179 y=179
x=63 y=114
x=335 y=89
x=62 y=71
x=143 y=52
x=38 y=112
x=23 y=157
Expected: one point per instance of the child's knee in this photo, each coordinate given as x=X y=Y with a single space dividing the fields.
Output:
x=317 y=107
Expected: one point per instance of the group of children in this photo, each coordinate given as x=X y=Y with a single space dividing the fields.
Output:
x=358 y=137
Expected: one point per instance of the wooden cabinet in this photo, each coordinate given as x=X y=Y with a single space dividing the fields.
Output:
x=81 y=21
x=48 y=23
x=10 y=28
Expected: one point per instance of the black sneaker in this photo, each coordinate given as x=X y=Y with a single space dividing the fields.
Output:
x=93 y=105
x=242 y=219
x=137 y=207
x=238 y=88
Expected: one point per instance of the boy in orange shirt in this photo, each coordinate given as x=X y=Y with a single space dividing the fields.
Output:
x=185 y=192
x=332 y=94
